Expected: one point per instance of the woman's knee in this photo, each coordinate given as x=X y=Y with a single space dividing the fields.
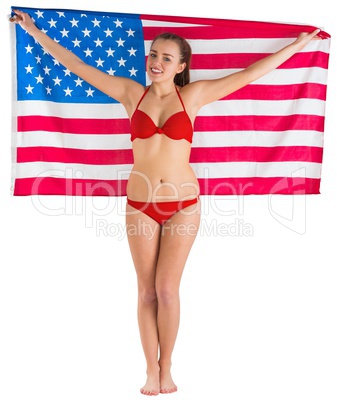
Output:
x=166 y=294
x=147 y=295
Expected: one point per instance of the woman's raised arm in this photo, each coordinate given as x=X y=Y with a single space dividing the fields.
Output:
x=207 y=91
x=119 y=88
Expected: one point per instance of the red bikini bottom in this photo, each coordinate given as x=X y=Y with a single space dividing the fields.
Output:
x=161 y=211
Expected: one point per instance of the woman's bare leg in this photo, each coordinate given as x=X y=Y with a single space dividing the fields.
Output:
x=177 y=238
x=144 y=236
x=159 y=257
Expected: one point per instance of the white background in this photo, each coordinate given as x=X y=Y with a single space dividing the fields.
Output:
x=258 y=312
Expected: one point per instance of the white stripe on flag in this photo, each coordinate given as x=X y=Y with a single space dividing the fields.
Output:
x=264 y=108
x=218 y=108
x=79 y=171
x=279 y=76
x=257 y=169
x=152 y=23
x=203 y=170
x=75 y=141
x=72 y=110
x=200 y=139
x=265 y=45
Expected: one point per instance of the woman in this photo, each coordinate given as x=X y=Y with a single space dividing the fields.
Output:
x=163 y=208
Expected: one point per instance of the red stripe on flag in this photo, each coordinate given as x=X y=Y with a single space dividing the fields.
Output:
x=202 y=123
x=239 y=28
x=62 y=186
x=259 y=185
x=71 y=155
x=243 y=60
x=280 y=92
x=224 y=186
x=198 y=155
x=259 y=123
x=257 y=154
x=74 y=126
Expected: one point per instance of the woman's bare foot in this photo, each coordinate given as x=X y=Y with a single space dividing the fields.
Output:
x=152 y=386
x=167 y=386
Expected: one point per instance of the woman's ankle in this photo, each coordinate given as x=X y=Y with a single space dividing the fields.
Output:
x=165 y=364
x=152 y=368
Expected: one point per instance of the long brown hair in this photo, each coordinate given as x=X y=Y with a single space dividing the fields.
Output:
x=182 y=78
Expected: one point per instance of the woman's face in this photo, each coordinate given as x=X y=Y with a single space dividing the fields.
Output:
x=163 y=62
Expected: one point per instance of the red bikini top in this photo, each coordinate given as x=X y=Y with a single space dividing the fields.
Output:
x=176 y=127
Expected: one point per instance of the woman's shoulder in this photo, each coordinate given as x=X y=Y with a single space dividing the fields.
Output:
x=191 y=90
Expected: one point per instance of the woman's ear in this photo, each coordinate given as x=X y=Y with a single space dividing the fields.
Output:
x=181 y=68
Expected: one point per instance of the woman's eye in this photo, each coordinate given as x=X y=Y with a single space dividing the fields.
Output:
x=167 y=59
x=152 y=55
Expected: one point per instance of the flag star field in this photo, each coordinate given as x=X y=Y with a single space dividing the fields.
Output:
x=112 y=44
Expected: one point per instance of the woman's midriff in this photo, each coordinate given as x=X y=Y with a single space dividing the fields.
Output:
x=161 y=171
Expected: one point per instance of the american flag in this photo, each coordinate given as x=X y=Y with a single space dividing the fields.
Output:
x=70 y=138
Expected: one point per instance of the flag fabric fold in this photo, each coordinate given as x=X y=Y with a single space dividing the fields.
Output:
x=71 y=139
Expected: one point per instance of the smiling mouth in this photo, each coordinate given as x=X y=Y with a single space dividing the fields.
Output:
x=156 y=71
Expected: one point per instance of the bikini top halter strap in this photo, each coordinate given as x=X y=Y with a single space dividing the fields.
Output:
x=181 y=101
x=143 y=96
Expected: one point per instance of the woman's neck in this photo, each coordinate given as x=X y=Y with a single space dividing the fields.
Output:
x=162 y=89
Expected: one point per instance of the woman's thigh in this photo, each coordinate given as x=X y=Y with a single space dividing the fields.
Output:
x=144 y=240
x=177 y=237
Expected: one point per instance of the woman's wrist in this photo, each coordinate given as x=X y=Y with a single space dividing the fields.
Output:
x=33 y=30
x=296 y=46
